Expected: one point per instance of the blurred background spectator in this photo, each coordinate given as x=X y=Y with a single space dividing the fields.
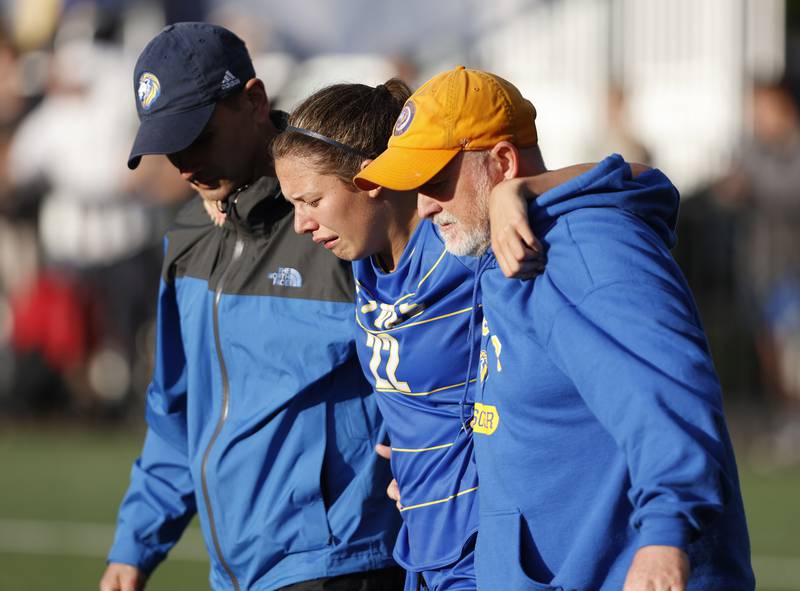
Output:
x=80 y=233
x=762 y=194
x=618 y=135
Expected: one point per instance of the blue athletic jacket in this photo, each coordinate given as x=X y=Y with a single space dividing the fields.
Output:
x=414 y=347
x=259 y=418
x=599 y=426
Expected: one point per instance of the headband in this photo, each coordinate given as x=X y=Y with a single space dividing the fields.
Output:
x=327 y=140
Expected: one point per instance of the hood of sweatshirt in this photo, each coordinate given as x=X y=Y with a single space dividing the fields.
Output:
x=650 y=196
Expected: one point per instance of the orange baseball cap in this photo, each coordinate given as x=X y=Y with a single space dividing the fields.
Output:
x=456 y=110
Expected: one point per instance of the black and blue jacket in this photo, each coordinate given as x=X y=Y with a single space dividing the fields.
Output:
x=259 y=418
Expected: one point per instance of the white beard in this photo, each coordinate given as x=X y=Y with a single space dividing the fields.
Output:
x=473 y=237
x=461 y=241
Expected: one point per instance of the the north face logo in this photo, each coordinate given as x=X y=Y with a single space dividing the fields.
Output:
x=286 y=277
x=229 y=80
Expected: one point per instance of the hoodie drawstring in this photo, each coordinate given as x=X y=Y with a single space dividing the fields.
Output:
x=483 y=265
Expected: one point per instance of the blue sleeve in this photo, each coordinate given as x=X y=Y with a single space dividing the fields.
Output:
x=632 y=343
x=157 y=507
x=160 y=500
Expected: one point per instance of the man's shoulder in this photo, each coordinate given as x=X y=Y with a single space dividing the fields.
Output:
x=596 y=252
x=606 y=243
x=191 y=227
x=191 y=215
x=585 y=248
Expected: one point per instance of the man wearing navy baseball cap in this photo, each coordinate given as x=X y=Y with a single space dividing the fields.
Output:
x=200 y=65
x=259 y=419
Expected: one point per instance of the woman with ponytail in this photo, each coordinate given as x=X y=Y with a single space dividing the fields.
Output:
x=418 y=325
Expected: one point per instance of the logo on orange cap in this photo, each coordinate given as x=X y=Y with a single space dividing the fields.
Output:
x=405 y=118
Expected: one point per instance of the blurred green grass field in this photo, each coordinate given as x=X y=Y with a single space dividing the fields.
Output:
x=72 y=479
x=60 y=487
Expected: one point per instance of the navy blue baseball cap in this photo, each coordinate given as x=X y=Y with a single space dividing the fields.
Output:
x=178 y=80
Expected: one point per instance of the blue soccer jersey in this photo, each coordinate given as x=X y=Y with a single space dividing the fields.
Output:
x=414 y=347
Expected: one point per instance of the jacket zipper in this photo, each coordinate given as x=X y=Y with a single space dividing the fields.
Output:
x=237 y=253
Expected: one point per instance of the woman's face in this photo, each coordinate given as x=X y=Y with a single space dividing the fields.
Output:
x=348 y=222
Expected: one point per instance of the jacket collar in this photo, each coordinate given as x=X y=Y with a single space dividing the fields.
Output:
x=255 y=208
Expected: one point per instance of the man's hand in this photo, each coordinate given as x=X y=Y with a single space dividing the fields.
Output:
x=658 y=568
x=122 y=577
x=392 y=491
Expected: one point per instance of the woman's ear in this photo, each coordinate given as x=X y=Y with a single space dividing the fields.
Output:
x=377 y=190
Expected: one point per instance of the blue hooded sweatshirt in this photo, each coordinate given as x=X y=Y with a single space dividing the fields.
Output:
x=598 y=422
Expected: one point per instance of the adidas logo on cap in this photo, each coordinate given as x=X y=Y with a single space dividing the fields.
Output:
x=229 y=80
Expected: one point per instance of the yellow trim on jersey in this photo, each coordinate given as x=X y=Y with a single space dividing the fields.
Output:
x=456 y=313
x=425 y=277
x=436 y=264
x=405 y=297
x=434 y=391
x=421 y=281
x=413 y=451
x=429 y=503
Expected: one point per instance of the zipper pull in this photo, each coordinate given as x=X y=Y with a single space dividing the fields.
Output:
x=231 y=201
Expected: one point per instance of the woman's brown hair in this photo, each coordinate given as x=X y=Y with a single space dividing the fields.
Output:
x=356 y=115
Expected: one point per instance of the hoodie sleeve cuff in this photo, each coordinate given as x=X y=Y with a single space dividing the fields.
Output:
x=665 y=531
x=129 y=552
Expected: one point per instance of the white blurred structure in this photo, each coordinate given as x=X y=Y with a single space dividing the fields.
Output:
x=685 y=66
x=276 y=70
x=323 y=70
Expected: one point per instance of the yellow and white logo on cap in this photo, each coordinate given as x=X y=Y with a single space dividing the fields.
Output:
x=149 y=90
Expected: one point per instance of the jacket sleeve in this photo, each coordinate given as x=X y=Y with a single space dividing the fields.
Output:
x=160 y=500
x=639 y=358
